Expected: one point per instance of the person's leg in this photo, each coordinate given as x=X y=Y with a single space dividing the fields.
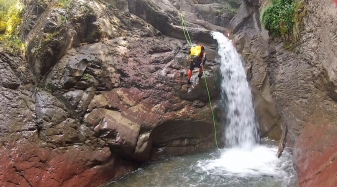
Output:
x=200 y=72
x=189 y=74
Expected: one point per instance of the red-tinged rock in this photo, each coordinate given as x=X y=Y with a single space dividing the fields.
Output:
x=29 y=164
x=315 y=155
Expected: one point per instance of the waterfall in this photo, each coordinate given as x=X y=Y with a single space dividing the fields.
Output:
x=242 y=155
x=242 y=129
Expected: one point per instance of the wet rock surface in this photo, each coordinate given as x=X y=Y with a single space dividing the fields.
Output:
x=316 y=142
x=251 y=41
x=103 y=88
x=297 y=86
x=97 y=89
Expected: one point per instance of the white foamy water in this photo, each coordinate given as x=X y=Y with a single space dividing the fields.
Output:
x=260 y=160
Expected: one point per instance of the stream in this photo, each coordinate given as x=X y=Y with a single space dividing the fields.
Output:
x=209 y=170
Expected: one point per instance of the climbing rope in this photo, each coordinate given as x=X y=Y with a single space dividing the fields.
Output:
x=189 y=41
x=210 y=105
x=187 y=36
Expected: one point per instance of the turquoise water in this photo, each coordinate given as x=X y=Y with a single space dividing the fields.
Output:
x=193 y=171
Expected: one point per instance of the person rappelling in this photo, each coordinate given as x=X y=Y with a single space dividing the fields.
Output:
x=197 y=58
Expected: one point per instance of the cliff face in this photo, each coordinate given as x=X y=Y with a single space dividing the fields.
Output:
x=315 y=148
x=302 y=83
x=101 y=88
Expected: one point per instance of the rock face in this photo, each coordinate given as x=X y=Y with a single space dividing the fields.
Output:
x=251 y=40
x=301 y=83
x=101 y=89
x=316 y=144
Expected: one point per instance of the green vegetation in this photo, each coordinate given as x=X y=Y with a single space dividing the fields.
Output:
x=46 y=87
x=63 y=3
x=86 y=77
x=300 y=13
x=11 y=16
x=278 y=18
x=227 y=8
x=231 y=6
x=283 y=18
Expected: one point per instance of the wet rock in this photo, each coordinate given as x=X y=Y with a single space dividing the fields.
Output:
x=17 y=111
x=80 y=99
x=314 y=140
x=216 y=13
x=119 y=4
x=120 y=133
x=244 y=12
x=74 y=97
x=74 y=72
x=49 y=110
x=8 y=78
x=198 y=104
x=103 y=79
x=316 y=145
x=180 y=137
x=30 y=165
x=61 y=134
x=197 y=90
x=253 y=2
x=268 y=116
x=251 y=40
x=17 y=71
x=143 y=148
x=168 y=21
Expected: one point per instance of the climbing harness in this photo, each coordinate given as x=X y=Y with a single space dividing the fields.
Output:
x=189 y=41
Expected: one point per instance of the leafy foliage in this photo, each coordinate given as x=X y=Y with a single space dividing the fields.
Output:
x=278 y=18
x=285 y=18
x=11 y=16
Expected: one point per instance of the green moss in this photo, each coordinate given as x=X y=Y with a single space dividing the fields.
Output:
x=50 y=36
x=46 y=87
x=63 y=3
x=86 y=77
x=13 y=44
x=231 y=9
x=300 y=13
x=40 y=44
x=11 y=17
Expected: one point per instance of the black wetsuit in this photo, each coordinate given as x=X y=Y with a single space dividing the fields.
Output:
x=196 y=63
